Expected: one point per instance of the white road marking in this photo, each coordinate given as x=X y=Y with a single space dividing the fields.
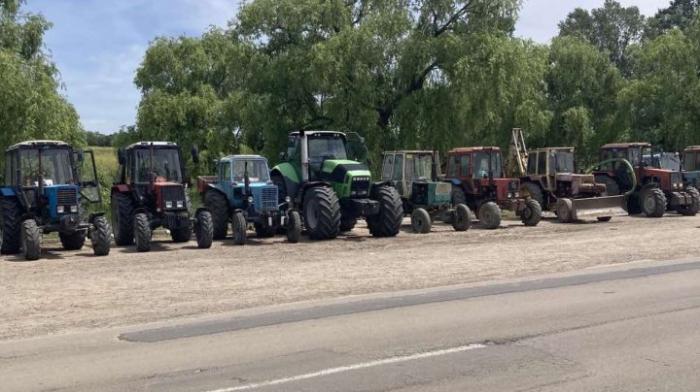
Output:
x=349 y=368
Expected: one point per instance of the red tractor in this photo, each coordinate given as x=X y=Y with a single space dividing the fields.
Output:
x=151 y=192
x=477 y=178
x=657 y=188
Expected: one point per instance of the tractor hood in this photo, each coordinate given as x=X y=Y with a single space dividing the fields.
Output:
x=337 y=170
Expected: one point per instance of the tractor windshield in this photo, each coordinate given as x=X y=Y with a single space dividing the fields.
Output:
x=157 y=164
x=322 y=147
x=563 y=162
x=488 y=164
x=257 y=170
x=50 y=166
x=419 y=167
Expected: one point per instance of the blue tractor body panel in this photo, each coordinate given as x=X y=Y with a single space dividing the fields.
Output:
x=64 y=197
x=7 y=191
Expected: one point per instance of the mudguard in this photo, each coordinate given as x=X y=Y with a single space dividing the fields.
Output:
x=299 y=199
x=7 y=191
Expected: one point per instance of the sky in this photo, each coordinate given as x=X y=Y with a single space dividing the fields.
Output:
x=98 y=44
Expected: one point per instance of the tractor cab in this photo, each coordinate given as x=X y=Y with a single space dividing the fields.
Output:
x=647 y=165
x=415 y=175
x=554 y=168
x=480 y=172
x=246 y=178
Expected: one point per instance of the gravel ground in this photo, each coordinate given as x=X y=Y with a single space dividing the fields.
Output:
x=67 y=291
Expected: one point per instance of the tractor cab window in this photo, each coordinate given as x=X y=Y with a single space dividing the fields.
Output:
x=496 y=164
x=612 y=154
x=452 y=165
x=464 y=162
x=419 y=167
x=532 y=163
x=542 y=163
x=692 y=161
x=562 y=162
x=49 y=166
x=644 y=155
x=398 y=168
x=256 y=168
x=225 y=170
x=482 y=163
x=388 y=167
x=327 y=147
x=157 y=164
x=292 y=146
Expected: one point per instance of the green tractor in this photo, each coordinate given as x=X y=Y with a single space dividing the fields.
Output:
x=321 y=175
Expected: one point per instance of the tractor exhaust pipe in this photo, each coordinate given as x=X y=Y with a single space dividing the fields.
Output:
x=304 y=140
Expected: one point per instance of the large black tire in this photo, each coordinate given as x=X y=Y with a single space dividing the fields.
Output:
x=653 y=202
x=532 y=214
x=387 y=223
x=564 y=210
x=694 y=206
x=535 y=192
x=458 y=196
x=262 y=231
x=31 y=240
x=204 y=229
x=347 y=223
x=490 y=215
x=11 y=226
x=142 y=232
x=122 y=219
x=461 y=220
x=73 y=241
x=239 y=226
x=421 y=222
x=293 y=227
x=100 y=236
x=321 y=213
x=182 y=234
x=218 y=205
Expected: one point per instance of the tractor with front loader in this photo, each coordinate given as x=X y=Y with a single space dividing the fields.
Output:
x=242 y=194
x=48 y=188
x=151 y=192
x=324 y=180
x=415 y=175
x=653 y=189
x=478 y=180
x=549 y=176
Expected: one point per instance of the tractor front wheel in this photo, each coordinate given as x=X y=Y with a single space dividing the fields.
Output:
x=204 y=229
x=239 y=227
x=387 y=223
x=534 y=191
x=142 y=232
x=31 y=240
x=532 y=214
x=694 y=206
x=122 y=219
x=490 y=215
x=321 y=213
x=293 y=227
x=100 y=236
x=461 y=221
x=218 y=205
x=564 y=211
x=653 y=202
x=11 y=227
x=420 y=221
x=72 y=241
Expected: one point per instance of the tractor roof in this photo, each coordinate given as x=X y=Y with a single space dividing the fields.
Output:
x=468 y=150
x=38 y=143
x=692 y=149
x=552 y=149
x=243 y=156
x=417 y=152
x=625 y=145
x=151 y=143
x=319 y=131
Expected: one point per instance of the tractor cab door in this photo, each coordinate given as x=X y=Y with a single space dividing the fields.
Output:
x=357 y=148
x=87 y=175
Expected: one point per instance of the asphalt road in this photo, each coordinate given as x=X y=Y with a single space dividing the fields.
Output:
x=629 y=328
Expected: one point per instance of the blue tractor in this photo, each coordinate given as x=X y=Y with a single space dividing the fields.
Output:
x=243 y=194
x=48 y=187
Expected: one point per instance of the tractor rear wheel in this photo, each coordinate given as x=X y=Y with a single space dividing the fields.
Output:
x=490 y=215
x=73 y=241
x=565 y=210
x=653 y=202
x=239 y=226
x=218 y=205
x=421 y=222
x=181 y=234
x=262 y=231
x=11 y=227
x=31 y=240
x=532 y=214
x=142 y=232
x=204 y=229
x=535 y=192
x=100 y=236
x=122 y=219
x=694 y=206
x=293 y=227
x=321 y=213
x=387 y=222
x=461 y=219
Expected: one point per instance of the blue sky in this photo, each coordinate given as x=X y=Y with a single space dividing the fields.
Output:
x=98 y=44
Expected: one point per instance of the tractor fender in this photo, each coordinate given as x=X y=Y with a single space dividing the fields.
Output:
x=292 y=188
x=308 y=185
x=382 y=183
x=121 y=188
x=7 y=191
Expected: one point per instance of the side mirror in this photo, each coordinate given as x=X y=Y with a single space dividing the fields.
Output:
x=195 y=154
x=121 y=156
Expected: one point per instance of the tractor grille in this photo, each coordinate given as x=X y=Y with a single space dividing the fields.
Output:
x=676 y=178
x=266 y=199
x=173 y=194
x=67 y=197
x=443 y=188
x=359 y=187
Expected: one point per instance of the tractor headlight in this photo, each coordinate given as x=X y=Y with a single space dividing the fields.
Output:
x=60 y=209
x=516 y=194
x=287 y=199
x=510 y=195
x=250 y=199
x=74 y=209
x=168 y=204
x=180 y=204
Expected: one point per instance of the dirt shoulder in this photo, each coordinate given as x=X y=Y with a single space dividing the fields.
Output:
x=72 y=290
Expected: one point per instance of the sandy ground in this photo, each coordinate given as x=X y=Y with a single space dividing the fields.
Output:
x=68 y=291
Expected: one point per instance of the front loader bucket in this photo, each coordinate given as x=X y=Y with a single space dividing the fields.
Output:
x=598 y=207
